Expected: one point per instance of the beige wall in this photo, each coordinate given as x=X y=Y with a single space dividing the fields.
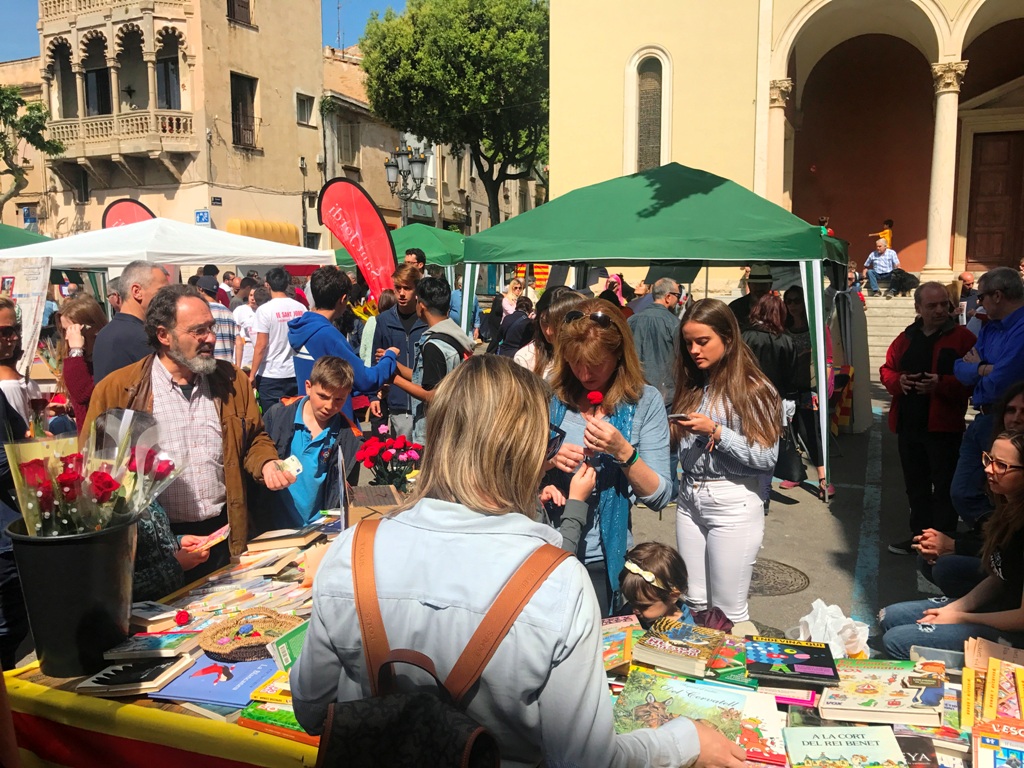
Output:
x=24 y=73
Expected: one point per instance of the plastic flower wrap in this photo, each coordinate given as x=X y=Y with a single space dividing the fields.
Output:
x=392 y=459
x=120 y=470
x=366 y=310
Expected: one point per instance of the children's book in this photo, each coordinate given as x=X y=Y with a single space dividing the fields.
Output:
x=789 y=663
x=154 y=646
x=884 y=691
x=215 y=682
x=131 y=678
x=761 y=729
x=801 y=716
x=212 y=539
x=802 y=697
x=996 y=747
x=151 y=616
x=277 y=720
x=615 y=642
x=978 y=650
x=212 y=711
x=678 y=647
x=286 y=649
x=277 y=690
x=864 y=747
x=650 y=699
x=286 y=538
x=918 y=751
x=1000 y=690
x=729 y=663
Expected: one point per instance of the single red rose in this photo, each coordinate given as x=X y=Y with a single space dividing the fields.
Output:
x=595 y=398
x=181 y=618
x=163 y=469
x=388 y=454
x=374 y=449
x=103 y=486
x=73 y=462
x=416 y=446
x=390 y=443
x=368 y=463
x=70 y=484
x=401 y=442
x=34 y=472
x=360 y=454
x=147 y=464
x=44 y=494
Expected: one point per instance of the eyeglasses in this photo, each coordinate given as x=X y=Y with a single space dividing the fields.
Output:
x=517 y=288
x=9 y=331
x=555 y=438
x=677 y=294
x=600 y=318
x=999 y=467
x=983 y=294
x=201 y=332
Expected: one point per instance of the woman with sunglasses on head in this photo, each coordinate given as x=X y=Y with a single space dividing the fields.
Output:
x=615 y=422
x=439 y=564
x=726 y=420
x=994 y=609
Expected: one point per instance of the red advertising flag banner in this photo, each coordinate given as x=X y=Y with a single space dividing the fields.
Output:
x=125 y=211
x=349 y=213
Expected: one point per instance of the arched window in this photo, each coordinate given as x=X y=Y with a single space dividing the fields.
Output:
x=647 y=131
x=648 y=115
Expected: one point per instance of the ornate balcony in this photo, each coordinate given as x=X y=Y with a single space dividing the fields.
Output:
x=138 y=132
x=54 y=10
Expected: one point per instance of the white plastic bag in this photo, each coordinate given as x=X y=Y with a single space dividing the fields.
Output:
x=844 y=636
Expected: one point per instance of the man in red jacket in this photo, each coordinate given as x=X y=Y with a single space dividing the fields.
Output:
x=927 y=411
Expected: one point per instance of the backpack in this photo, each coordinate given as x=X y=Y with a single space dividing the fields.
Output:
x=421 y=729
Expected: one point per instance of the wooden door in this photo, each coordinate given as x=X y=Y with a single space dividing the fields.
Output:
x=995 y=224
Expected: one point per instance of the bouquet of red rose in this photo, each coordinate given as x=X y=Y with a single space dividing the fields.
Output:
x=390 y=458
x=117 y=474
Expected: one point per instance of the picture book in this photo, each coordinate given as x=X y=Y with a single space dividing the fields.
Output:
x=277 y=690
x=804 y=697
x=884 y=691
x=151 y=616
x=650 y=699
x=864 y=747
x=277 y=720
x=943 y=738
x=978 y=650
x=918 y=751
x=994 y=748
x=678 y=647
x=968 y=685
x=761 y=729
x=615 y=641
x=212 y=539
x=215 y=682
x=130 y=678
x=729 y=663
x=154 y=646
x=1000 y=698
x=790 y=662
x=287 y=538
x=212 y=711
x=801 y=716
x=286 y=649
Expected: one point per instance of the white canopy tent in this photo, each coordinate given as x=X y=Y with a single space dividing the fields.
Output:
x=164 y=241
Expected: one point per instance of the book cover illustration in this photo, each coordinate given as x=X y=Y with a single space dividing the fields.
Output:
x=880 y=690
x=863 y=747
x=276 y=719
x=277 y=690
x=918 y=751
x=153 y=646
x=670 y=642
x=215 y=682
x=997 y=750
x=133 y=677
x=772 y=659
x=650 y=699
x=615 y=641
x=729 y=663
x=1007 y=701
x=761 y=730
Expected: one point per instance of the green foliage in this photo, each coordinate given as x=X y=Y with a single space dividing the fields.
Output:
x=20 y=121
x=465 y=72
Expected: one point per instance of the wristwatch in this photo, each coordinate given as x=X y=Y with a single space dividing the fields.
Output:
x=76 y=352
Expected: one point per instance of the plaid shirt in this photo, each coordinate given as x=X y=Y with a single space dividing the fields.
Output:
x=225 y=330
x=190 y=429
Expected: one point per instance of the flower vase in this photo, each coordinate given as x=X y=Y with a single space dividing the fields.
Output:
x=78 y=593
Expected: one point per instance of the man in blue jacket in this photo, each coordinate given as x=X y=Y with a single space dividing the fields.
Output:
x=400 y=327
x=313 y=335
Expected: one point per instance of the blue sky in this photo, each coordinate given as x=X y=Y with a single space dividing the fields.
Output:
x=20 y=40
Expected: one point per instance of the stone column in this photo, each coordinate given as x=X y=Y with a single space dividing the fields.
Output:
x=115 y=85
x=778 y=96
x=47 y=77
x=947 y=77
x=79 y=72
x=150 y=59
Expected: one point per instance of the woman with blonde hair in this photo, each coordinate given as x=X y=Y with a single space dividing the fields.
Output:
x=438 y=565
x=613 y=420
x=78 y=322
x=512 y=294
x=726 y=421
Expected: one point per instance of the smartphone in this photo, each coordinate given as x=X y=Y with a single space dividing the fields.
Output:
x=679 y=416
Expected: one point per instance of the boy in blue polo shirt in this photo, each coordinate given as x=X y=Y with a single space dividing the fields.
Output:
x=313 y=430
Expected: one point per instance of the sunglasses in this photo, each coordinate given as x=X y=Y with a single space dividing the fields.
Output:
x=999 y=467
x=600 y=318
x=555 y=438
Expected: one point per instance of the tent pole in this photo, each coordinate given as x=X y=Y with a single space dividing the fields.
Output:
x=706 y=273
x=468 y=295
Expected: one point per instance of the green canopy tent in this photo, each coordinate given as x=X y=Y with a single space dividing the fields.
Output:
x=441 y=246
x=674 y=215
x=12 y=237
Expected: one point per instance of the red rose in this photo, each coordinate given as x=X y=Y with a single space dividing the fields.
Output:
x=44 y=494
x=147 y=463
x=103 y=486
x=372 y=449
x=388 y=454
x=73 y=462
x=163 y=469
x=70 y=484
x=390 y=443
x=416 y=446
x=368 y=463
x=401 y=442
x=595 y=398
x=360 y=454
x=34 y=472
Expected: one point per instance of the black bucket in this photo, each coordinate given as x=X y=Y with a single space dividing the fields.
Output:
x=78 y=592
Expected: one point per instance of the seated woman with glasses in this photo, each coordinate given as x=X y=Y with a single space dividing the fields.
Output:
x=614 y=422
x=995 y=608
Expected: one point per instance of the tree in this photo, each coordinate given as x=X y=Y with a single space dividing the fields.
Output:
x=20 y=121
x=466 y=73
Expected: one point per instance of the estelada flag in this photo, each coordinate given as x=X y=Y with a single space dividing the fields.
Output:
x=349 y=213
x=125 y=211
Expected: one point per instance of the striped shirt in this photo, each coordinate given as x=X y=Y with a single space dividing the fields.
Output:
x=882 y=263
x=190 y=430
x=225 y=329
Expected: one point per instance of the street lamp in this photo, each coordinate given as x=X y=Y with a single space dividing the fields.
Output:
x=405 y=166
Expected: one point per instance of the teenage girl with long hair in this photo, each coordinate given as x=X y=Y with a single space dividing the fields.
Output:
x=539 y=354
x=995 y=608
x=726 y=423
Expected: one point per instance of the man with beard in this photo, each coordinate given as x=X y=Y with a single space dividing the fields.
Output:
x=207 y=416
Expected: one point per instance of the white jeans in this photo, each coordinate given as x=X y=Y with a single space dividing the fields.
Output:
x=719 y=528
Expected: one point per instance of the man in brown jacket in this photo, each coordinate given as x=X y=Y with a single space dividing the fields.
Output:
x=207 y=415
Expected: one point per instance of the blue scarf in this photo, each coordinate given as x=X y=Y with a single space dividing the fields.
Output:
x=613 y=494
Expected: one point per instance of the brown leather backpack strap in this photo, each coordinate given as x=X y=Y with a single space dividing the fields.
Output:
x=364 y=584
x=500 y=617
